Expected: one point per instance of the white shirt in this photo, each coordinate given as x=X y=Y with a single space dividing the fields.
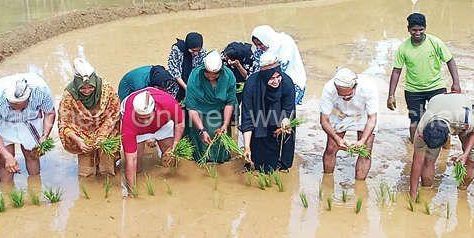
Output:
x=363 y=103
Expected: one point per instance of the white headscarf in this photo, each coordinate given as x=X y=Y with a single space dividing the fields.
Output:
x=345 y=77
x=268 y=58
x=82 y=67
x=285 y=49
x=143 y=103
x=18 y=90
x=213 y=62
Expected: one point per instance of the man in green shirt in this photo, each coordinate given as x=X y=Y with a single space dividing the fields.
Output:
x=423 y=55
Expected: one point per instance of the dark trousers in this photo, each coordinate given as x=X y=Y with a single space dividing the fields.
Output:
x=416 y=103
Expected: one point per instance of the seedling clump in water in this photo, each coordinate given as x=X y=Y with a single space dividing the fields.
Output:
x=344 y=196
x=277 y=178
x=107 y=187
x=329 y=202
x=2 y=203
x=427 y=208
x=84 y=192
x=17 y=199
x=34 y=198
x=150 y=187
x=358 y=205
x=459 y=172
x=53 y=196
x=304 y=200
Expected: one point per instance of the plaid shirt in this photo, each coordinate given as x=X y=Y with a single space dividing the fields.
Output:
x=39 y=101
x=175 y=61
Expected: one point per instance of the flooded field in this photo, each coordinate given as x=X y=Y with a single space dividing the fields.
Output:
x=362 y=35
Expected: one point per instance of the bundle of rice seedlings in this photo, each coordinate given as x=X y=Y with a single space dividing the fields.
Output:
x=459 y=172
x=46 y=146
x=34 y=198
x=362 y=151
x=111 y=145
x=2 y=203
x=239 y=87
x=358 y=205
x=168 y=187
x=427 y=208
x=84 y=192
x=277 y=178
x=53 y=196
x=295 y=122
x=17 y=199
x=329 y=202
x=344 y=196
x=230 y=144
x=150 y=186
x=304 y=200
x=183 y=151
x=107 y=187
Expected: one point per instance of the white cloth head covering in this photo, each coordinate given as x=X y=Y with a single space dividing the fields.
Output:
x=143 y=103
x=213 y=62
x=268 y=58
x=266 y=35
x=345 y=77
x=18 y=90
x=82 y=67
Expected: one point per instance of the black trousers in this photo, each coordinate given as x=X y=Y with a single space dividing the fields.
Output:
x=416 y=103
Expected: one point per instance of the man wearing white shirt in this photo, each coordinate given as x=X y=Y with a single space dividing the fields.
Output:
x=348 y=104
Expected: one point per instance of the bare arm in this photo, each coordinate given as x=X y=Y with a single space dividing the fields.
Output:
x=196 y=119
x=48 y=123
x=131 y=168
x=369 y=127
x=394 y=78
x=416 y=169
x=181 y=82
x=453 y=70
x=228 y=109
x=178 y=132
x=326 y=125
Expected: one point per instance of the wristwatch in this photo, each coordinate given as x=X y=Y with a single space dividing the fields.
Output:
x=201 y=131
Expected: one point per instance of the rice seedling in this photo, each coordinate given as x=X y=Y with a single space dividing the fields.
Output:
x=358 y=205
x=261 y=181
x=410 y=205
x=17 y=199
x=230 y=144
x=392 y=196
x=84 y=192
x=111 y=145
x=344 y=196
x=150 y=186
x=2 y=203
x=459 y=172
x=107 y=187
x=320 y=193
x=168 y=188
x=248 y=178
x=46 y=146
x=295 y=122
x=277 y=178
x=34 y=198
x=362 y=151
x=418 y=198
x=382 y=194
x=268 y=180
x=329 y=202
x=134 y=191
x=448 y=211
x=183 y=151
x=53 y=196
x=239 y=87
x=304 y=200
x=427 y=208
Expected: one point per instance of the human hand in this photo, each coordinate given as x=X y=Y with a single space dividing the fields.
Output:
x=455 y=88
x=248 y=155
x=11 y=164
x=205 y=138
x=342 y=144
x=391 y=103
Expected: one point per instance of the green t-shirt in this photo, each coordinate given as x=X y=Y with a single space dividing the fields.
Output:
x=423 y=63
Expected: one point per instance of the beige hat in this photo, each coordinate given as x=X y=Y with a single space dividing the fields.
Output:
x=143 y=103
x=345 y=77
x=213 y=62
x=267 y=58
x=82 y=67
x=18 y=90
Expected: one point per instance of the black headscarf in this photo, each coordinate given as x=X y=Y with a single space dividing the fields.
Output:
x=416 y=19
x=162 y=79
x=193 y=40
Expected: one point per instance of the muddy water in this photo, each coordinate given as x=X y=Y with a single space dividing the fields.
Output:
x=18 y=12
x=360 y=34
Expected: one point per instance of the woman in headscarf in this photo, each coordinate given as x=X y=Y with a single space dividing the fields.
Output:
x=287 y=53
x=238 y=56
x=210 y=99
x=184 y=57
x=268 y=104
x=88 y=114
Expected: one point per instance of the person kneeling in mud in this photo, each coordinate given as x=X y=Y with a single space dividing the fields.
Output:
x=348 y=104
x=149 y=114
x=268 y=104
x=446 y=114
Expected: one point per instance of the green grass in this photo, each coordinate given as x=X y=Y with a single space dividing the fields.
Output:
x=427 y=208
x=304 y=200
x=358 y=205
x=107 y=187
x=459 y=172
x=150 y=186
x=2 y=203
x=53 y=196
x=344 y=196
x=329 y=203
x=168 y=187
x=84 y=192
x=17 y=198
x=34 y=198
